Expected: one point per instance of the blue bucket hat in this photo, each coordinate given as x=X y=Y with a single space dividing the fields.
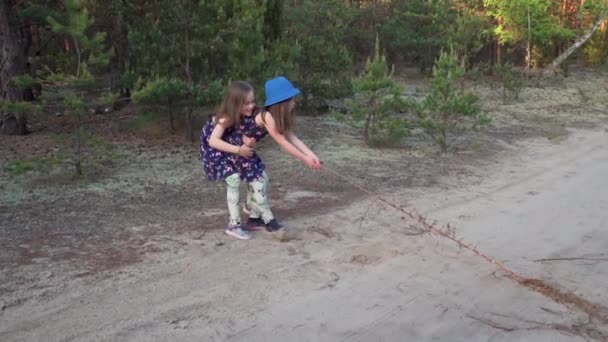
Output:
x=278 y=90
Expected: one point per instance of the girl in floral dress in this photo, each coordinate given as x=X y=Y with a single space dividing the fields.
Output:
x=218 y=155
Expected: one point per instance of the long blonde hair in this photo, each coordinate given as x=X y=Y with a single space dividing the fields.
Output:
x=284 y=118
x=234 y=99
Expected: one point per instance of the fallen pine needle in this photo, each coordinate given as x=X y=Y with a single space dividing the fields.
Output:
x=571 y=259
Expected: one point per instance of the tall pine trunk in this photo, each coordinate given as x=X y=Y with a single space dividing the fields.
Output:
x=12 y=63
x=189 y=118
x=529 y=46
x=120 y=42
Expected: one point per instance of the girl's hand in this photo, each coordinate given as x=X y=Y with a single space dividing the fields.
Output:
x=316 y=160
x=312 y=163
x=249 y=141
x=245 y=151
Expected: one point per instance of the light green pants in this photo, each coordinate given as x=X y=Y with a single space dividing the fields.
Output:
x=257 y=201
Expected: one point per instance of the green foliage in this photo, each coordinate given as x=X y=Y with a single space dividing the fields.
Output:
x=376 y=105
x=219 y=39
x=74 y=103
x=544 y=30
x=36 y=11
x=74 y=23
x=324 y=72
x=246 y=55
x=107 y=99
x=23 y=166
x=19 y=167
x=595 y=7
x=468 y=35
x=76 y=82
x=273 y=17
x=25 y=81
x=100 y=151
x=164 y=92
x=19 y=107
x=209 y=95
x=448 y=110
x=143 y=118
x=511 y=80
x=89 y=47
x=96 y=153
x=418 y=30
x=596 y=49
x=513 y=20
x=174 y=95
x=316 y=34
x=206 y=44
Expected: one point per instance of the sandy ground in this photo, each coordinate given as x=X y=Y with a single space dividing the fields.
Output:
x=363 y=278
x=348 y=269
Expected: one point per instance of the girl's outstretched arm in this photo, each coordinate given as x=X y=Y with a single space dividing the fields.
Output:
x=270 y=125
x=294 y=140
x=215 y=141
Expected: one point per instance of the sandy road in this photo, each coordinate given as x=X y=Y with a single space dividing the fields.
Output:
x=347 y=280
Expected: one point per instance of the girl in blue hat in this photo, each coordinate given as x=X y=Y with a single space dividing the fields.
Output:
x=219 y=155
x=277 y=120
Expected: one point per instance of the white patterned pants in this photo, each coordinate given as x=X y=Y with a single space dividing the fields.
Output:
x=257 y=200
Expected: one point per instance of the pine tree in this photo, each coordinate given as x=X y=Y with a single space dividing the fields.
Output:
x=166 y=93
x=448 y=110
x=376 y=103
x=76 y=85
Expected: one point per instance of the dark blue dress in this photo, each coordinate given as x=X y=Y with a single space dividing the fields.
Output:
x=218 y=165
x=252 y=168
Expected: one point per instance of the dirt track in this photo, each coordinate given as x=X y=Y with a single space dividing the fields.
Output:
x=141 y=256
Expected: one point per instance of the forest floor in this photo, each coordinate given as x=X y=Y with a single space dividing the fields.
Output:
x=135 y=250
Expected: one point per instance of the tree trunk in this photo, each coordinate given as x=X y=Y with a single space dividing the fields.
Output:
x=529 y=46
x=272 y=21
x=189 y=123
x=78 y=164
x=12 y=63
x=120 y=42
x=498 y=46
x=577 y=44
x=170 y=108
x=368 y=121
x=498 y=52
x=563 y=20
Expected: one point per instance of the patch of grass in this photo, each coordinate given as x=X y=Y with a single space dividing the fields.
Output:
x=23 y=166
x=392 y=139
x=512 y=81
x=475 y=146
x=143 y=118
x=556 y=133
x=585 y=98
x=97 y=155
x=19 y=167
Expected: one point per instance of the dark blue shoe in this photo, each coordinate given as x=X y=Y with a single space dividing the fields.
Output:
x=274 y=226
x=255 y=223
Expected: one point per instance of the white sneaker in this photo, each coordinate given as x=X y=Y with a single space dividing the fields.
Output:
x=238 y=232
